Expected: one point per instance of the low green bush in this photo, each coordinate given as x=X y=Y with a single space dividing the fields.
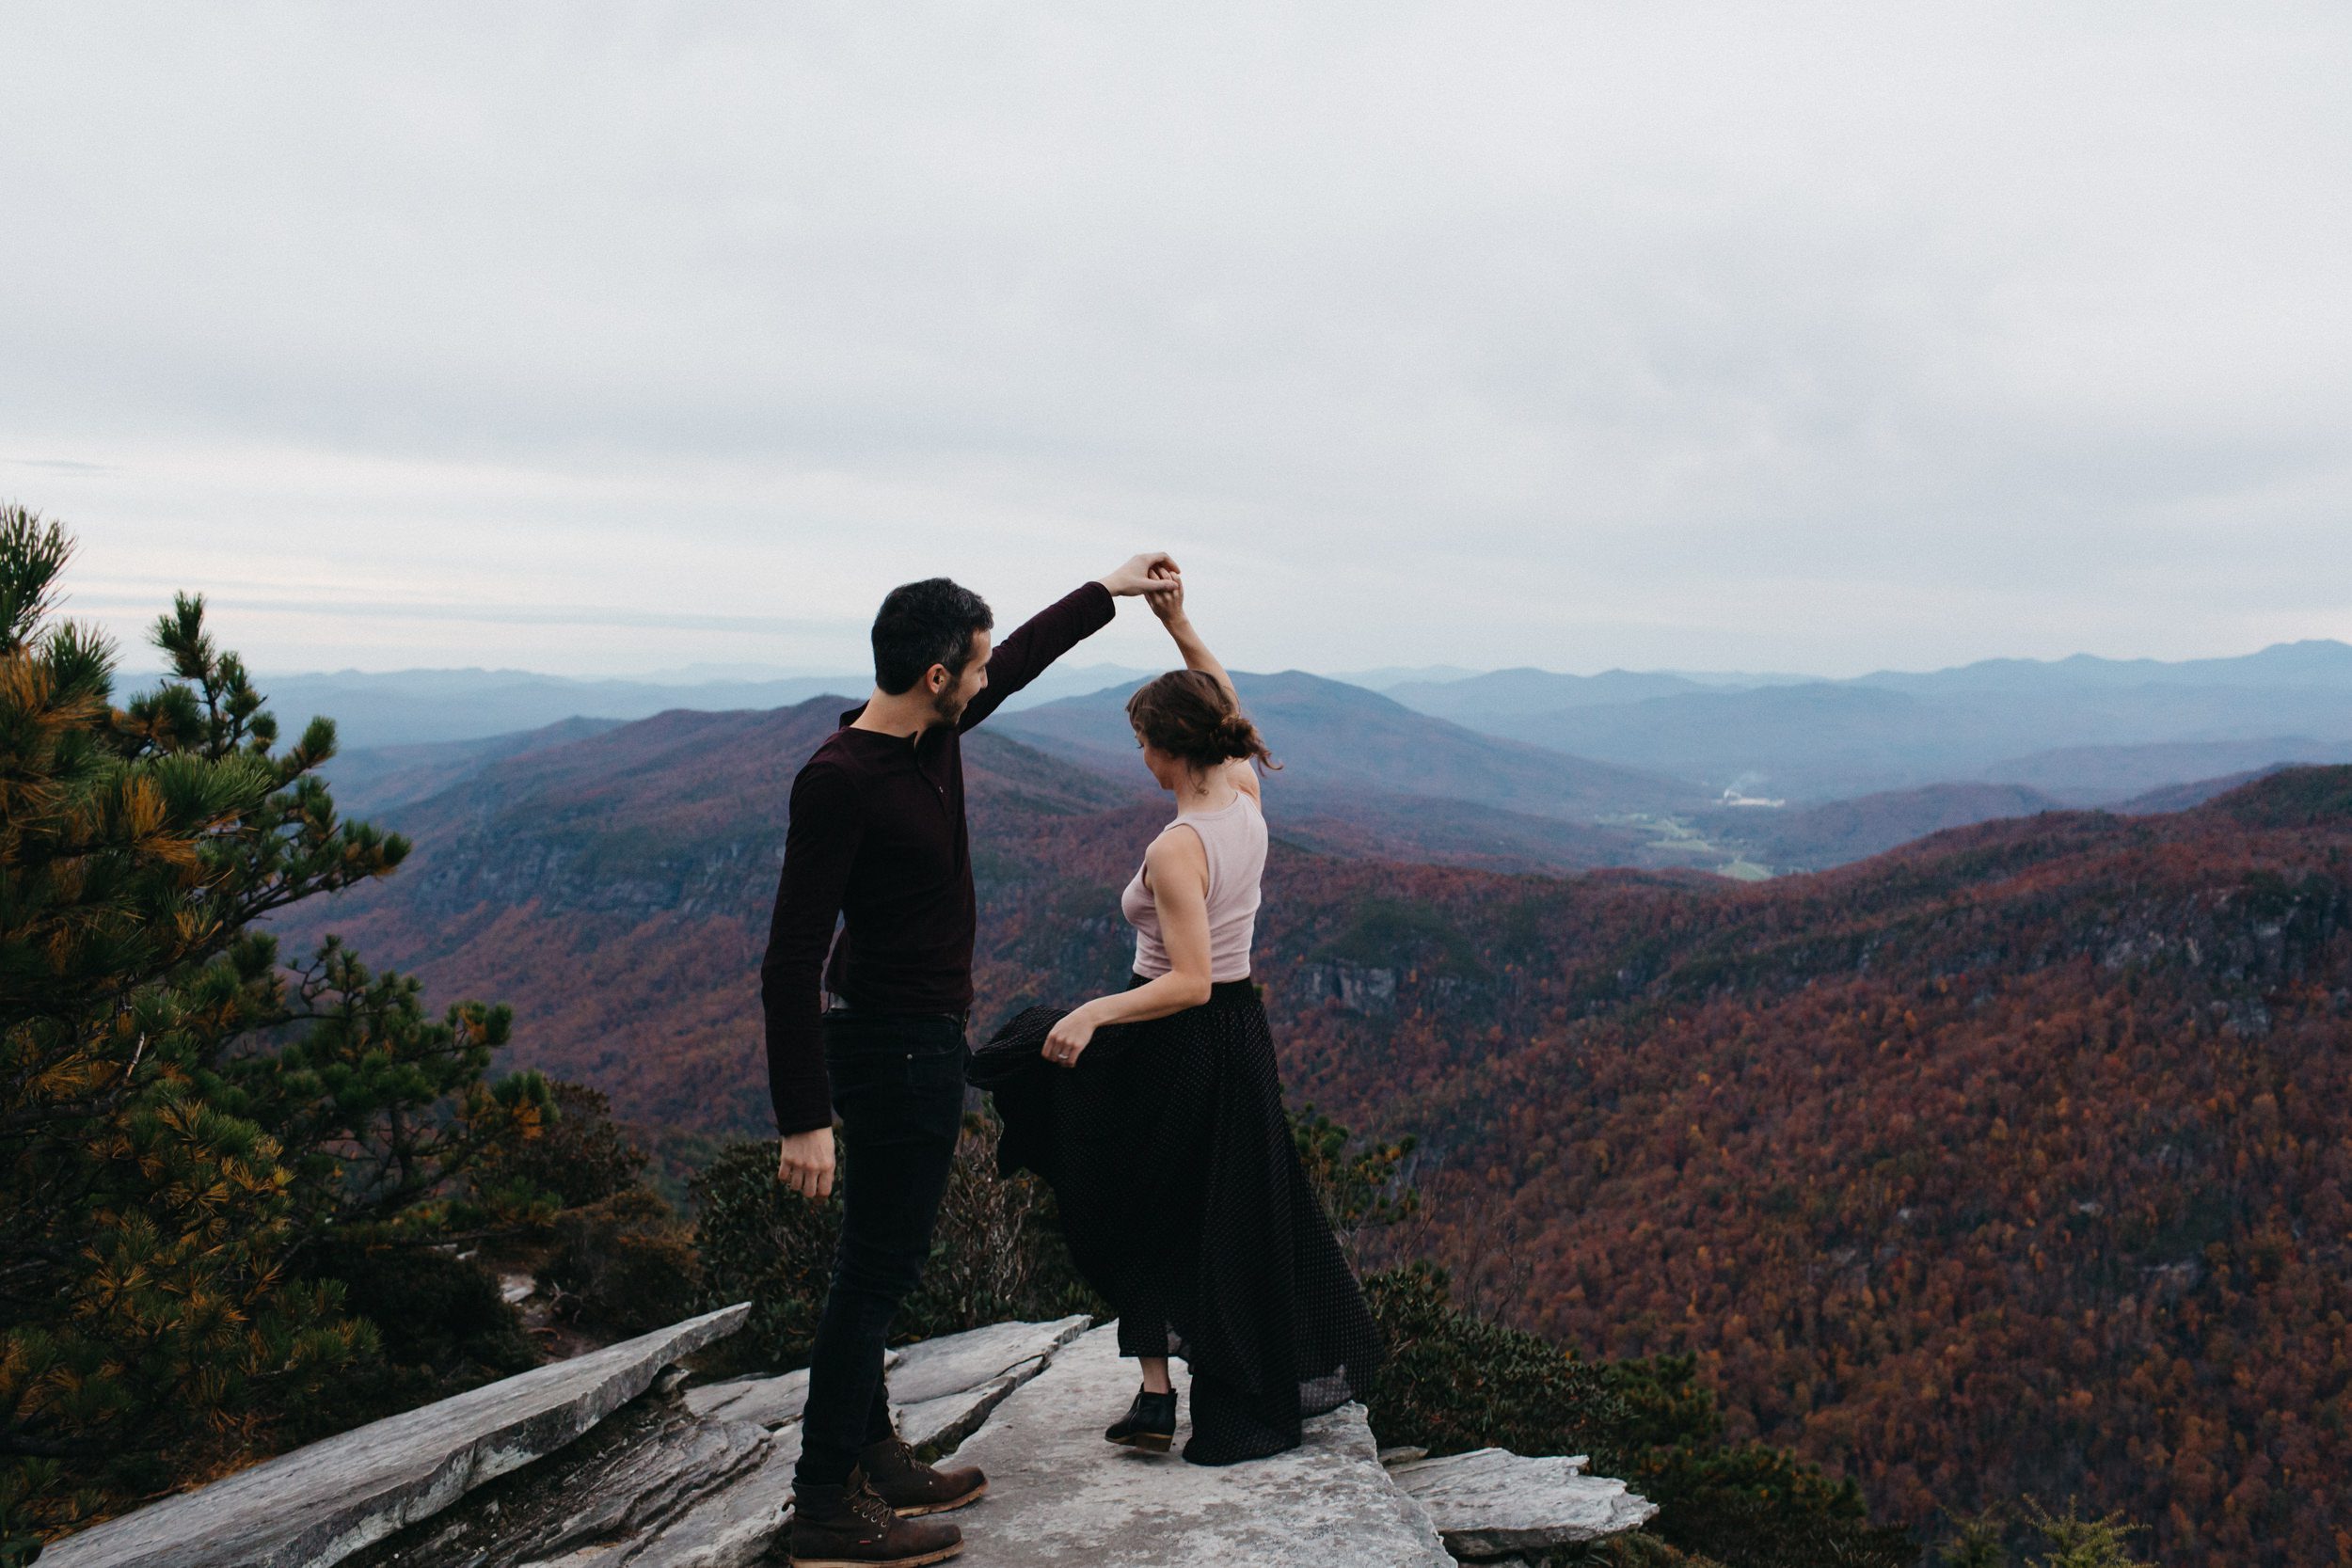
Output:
x=1453 y=1383
x=581 y=1155
x=623 y=1265
x=997 y=1251
x=2056 y=1540
x=438 y=1328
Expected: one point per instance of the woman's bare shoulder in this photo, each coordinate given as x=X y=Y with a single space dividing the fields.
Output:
x=1179 y=848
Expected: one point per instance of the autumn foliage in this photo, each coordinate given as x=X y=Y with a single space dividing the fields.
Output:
x=2010 y=1163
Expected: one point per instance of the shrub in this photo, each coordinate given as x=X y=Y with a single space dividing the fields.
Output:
x=2076 y=1541
x=441 y=1327
x=623 y=1265
x=1455 y=1382
x=2066 y=1540
x=581 y=1155
x=996 y=1252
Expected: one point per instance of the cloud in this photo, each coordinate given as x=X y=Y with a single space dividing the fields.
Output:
x=1841 y=337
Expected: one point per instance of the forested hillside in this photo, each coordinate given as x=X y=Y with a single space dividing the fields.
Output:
x=2012 y=1162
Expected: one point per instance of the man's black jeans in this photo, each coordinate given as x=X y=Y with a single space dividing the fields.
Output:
x=898 y=1085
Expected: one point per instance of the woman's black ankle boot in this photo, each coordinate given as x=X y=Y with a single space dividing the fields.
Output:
x=1150 y=1423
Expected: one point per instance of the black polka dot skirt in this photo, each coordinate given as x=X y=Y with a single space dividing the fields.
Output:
x=1187 y=1208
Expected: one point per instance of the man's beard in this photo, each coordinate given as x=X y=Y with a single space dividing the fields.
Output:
x=948 y=706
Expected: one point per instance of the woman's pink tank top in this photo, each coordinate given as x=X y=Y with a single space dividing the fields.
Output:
x=1235 y=838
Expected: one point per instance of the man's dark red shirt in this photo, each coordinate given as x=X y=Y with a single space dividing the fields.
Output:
x=876 y=839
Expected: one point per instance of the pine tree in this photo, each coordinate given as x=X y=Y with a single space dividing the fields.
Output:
x=181 y=1118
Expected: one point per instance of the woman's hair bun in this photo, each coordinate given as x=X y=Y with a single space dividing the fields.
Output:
x=1187 y=714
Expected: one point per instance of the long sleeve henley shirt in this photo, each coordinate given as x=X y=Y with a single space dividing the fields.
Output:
x=876 y=839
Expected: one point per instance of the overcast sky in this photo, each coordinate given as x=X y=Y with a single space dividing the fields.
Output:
x=605 y=339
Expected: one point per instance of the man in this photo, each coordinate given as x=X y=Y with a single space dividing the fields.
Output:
x=878 y=838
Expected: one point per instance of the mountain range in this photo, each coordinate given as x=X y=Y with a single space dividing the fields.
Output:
x=2010 y=1161
x=411 y=708
x=2089 y=731
x=1553 y=771
x=1344 y=738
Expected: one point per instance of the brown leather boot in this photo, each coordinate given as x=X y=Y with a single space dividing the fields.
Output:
x=911 y=1487
x=857 y=1529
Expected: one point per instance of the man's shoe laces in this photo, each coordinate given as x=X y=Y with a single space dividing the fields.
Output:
x=867 y=1503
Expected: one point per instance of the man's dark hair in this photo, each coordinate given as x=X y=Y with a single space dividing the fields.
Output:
x=923 y=623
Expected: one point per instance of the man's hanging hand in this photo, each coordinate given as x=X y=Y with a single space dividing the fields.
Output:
x=805 y=1163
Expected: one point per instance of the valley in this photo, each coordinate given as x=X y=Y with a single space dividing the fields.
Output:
x=2004 y=1159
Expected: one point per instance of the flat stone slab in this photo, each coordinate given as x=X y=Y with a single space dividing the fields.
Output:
x=632 y=1472
x=957 y=1381
x=954 y=1362
x=322 y=1502
x=769 y=1401
x=641 y=1467
x=1061 y=1498
x=948 y=1421
x=1490 y=1502
x=928 y=1379
x=728 y=1529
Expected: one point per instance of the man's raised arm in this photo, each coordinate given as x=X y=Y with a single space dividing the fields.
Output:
x=1031 y=647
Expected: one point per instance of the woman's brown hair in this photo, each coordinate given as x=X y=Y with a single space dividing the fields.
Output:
x=1187 y=714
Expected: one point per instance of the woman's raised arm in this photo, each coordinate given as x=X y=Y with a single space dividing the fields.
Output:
x=1168 y=604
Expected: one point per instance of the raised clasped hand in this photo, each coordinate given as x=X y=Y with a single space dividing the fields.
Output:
x=1141 y=574
x=1067 y=1039
x=1167 y=596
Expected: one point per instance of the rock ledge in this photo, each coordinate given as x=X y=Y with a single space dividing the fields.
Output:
x=602 y=1462
x=320 y=1503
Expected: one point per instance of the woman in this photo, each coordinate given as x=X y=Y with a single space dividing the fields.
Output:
x=1156 y=1114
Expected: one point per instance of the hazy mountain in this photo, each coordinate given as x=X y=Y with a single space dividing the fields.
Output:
x=404 y=707
x=1742 y=678
x=1814 y=838
x=1395 y=675
x=373 y=780
x=1329 y=736
x=2086 y=730
x=409 y=707
x=2316 y=662
x=1360 y=823
x=1818 y=741
x=2182 y=797
x=1817 y=837
x=1503 y=694
x=2104 y=775
x=1814 y=740
x=1831 y=739
x=1542 y=690
x=1060 y=681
